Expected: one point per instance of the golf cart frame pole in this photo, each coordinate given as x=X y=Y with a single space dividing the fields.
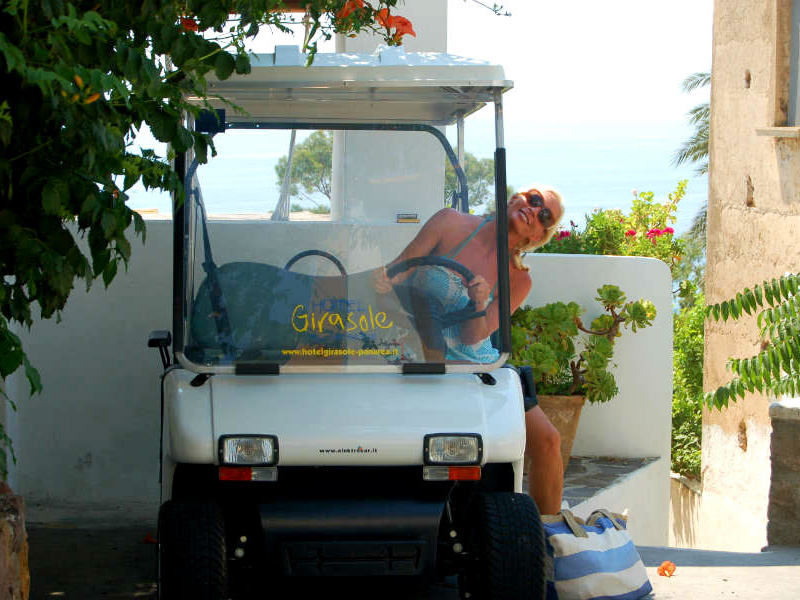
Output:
x=502 y=217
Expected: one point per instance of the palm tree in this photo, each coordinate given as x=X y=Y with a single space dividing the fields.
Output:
x=695 y=150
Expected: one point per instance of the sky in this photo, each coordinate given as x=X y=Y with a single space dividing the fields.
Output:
x=597 y=107
x=585 y=61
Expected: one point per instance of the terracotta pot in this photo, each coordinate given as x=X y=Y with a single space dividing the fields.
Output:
x=564 y=413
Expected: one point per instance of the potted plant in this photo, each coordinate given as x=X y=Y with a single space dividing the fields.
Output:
x=570 y=362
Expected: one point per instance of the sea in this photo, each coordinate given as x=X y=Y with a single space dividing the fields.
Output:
x=593 y=165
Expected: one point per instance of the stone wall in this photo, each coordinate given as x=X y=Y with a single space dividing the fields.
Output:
x=14 y=576
x=753 y=214
x=684 y=511
x=783 y=528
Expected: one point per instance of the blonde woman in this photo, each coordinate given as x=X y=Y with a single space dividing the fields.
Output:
x=533 y=218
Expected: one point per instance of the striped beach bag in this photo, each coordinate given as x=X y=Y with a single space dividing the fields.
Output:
x=593 y=559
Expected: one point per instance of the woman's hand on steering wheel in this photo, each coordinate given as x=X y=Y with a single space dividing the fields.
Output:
x=381 y=281
x=478 y=291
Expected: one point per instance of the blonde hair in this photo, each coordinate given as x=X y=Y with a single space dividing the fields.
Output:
x=548 y=233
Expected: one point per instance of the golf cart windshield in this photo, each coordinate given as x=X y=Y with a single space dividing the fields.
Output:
x=286 y=233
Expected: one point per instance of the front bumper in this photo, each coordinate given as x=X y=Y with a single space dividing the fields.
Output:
x=349 y=537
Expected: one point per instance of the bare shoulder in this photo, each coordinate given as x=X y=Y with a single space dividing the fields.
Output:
x=455 y=219
x=521 y=284
x=448 y=215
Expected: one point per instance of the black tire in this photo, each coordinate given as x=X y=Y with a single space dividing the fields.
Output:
x=191 y=552
x=507 y=549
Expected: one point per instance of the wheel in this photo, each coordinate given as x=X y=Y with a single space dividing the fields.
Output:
x=453 y=317
x=191 y=552
x=322 y=253
x=507 y=549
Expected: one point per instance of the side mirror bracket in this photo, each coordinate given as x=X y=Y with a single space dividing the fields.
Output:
x=161 y=339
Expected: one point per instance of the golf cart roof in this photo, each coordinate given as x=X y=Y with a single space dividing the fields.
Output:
x=388 y=86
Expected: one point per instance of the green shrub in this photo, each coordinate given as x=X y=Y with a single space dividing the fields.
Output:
x=687 y=387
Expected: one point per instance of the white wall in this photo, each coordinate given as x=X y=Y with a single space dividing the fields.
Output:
x=636 y=423
x=641 y=495
x=90 y=441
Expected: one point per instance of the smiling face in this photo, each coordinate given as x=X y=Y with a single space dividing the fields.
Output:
x=532 y=214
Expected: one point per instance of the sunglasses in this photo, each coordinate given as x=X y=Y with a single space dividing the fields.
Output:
x=535 y=200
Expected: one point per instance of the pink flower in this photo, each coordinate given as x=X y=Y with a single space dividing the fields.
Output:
x=630 y=233
x=669 y=230
x=562 y=234
x=653 y=233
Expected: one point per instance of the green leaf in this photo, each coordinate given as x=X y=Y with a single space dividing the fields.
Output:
x=243 y=66
x=757 y=294
x=750 y=298
x=33 y=377
x=736 y=308
x=224 y=65
x=745 y=302
x=109 y=223
x=733 y=365
x=775 y=362
x=776 y=290
x=162 y=125
x=725 y=311
x=200 y=148
x=768 y=293
x=721 y=397
x=183 y=139
x=784 y=289
x=15 y=60
x=11 y=358
x=109 y=272
x=51 y=197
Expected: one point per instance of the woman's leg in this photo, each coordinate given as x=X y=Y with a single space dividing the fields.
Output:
x=545 y=470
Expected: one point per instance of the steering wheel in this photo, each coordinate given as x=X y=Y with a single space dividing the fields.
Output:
x=453 y=317
x=322 y=253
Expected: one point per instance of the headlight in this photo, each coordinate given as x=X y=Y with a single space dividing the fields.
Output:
x=248 y=450
x=453 y=449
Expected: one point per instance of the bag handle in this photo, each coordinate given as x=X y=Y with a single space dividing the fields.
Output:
x=603 y=512
x=574 y=523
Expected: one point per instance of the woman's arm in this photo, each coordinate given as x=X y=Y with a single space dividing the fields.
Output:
x=476 y=330
x=424 y=243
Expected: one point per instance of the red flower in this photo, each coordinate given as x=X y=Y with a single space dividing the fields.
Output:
x=562 y=234
x=630 y=233
x=349 y=7
x=188 y=24
x=402 y=26
x=383 y=18
x=666 y=569
x=669 y=230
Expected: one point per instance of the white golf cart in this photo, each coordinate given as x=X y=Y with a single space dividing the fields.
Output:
x=312 y=426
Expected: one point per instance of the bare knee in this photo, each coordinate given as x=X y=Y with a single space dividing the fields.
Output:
x=542 y=438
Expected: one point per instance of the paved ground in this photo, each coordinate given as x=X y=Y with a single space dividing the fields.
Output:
x=116 y=563
x=705 y=575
